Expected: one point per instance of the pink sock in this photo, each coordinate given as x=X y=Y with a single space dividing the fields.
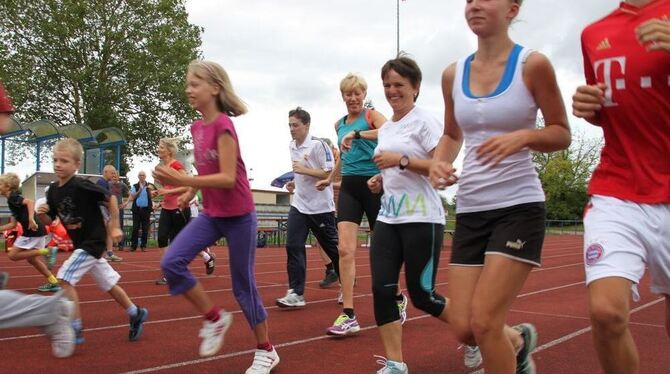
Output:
x=265 y=346
x=214 y=314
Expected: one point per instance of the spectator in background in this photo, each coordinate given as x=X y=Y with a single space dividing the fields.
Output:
x=120 y=190
x=107 y=174
x=141 y=207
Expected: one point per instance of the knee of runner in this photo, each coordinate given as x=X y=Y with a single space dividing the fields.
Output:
x=428 y=303
x=609 y=316
x=384 y=291
x=13 y=255
x=461 y=330
x=346 y=253
x=483 y=324
x=292 y=247
x=385 y=307
x=173 y=265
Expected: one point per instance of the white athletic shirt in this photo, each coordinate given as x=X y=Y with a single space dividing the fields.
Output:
x=509 y=108
x=314 y=154
x=408 y=196
x=193 y=206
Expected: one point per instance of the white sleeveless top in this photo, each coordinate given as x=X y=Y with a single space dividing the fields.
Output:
x=509 y=108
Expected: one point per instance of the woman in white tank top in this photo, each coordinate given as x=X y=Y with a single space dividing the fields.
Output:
x=491 y=100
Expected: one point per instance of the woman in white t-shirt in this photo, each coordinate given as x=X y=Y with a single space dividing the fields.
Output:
x=491 y=101
x=410 y=224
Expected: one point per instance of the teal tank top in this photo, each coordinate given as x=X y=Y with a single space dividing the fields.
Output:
x=357 y=160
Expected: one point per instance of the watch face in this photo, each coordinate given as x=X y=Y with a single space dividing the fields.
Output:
x=404 y=161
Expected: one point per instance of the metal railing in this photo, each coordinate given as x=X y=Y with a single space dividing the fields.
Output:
x=272 y=228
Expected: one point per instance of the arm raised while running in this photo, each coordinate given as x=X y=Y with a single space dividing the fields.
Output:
x=539 y=77
x=225 y=178
x=441 y=171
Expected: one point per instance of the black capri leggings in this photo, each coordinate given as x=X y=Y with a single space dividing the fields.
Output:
x=170 y=222
x=417 y=245
x=355 y=199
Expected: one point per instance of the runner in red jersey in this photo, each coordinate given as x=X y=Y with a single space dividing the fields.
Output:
x=627 y=67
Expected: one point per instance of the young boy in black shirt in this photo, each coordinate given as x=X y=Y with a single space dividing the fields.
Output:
x=75 y=202
x=30 y=246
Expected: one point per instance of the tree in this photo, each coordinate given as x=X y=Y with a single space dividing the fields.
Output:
x=101 y=63
x=565 y=176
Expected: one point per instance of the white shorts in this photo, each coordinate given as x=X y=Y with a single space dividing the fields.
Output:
x=105 y=214
x=621 y=238
x=80 y=262
x=32 y=242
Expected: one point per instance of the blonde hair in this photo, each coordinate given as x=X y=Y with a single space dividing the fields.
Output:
x=227 y=101
x=70 y=145
x=11 y=180
x=170 y=144
x=351 y=82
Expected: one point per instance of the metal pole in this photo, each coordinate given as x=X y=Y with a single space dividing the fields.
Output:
x=397 y=9
x=37 y=161
x=2 y=168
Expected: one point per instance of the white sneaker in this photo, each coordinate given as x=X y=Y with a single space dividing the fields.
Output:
x=264 y=362
x=472 y=357
x=291 y=300
x=212 y=334
x=61 y=331
x=391 y=367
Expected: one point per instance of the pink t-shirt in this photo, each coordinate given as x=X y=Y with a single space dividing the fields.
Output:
x=220 y=202
x=170 y=201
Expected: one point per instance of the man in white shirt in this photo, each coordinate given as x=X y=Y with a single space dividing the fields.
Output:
x=311 y=209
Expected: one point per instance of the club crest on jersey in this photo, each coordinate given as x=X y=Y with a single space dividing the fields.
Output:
x=593 y=254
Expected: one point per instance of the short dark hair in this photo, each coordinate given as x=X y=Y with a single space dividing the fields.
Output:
x=300 y=114
x=406 y=67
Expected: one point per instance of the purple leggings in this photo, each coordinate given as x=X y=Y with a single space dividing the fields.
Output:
x=240 y=234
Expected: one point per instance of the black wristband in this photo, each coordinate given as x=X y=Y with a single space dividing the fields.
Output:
x=357 y=134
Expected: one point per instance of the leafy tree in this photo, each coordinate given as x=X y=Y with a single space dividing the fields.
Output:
x=101 y=63
x=565 y=176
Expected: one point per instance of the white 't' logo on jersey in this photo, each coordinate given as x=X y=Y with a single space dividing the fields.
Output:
x=608 y=65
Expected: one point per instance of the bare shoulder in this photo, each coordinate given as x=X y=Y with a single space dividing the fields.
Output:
x=537 y=65
x=449 y=73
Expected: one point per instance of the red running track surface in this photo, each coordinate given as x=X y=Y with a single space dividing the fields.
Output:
x=554 y=299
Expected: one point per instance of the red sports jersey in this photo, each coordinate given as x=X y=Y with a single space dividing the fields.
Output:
x=635 y=162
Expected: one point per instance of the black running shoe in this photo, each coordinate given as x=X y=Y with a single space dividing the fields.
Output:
x=210 y=265
x=524 y=359
x=329 y=278
x=137 y=324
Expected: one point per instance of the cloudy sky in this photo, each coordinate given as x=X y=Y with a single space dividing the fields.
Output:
x=281 y=54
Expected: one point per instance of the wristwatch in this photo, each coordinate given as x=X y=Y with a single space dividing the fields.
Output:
x=404 y=162
x=357 y=134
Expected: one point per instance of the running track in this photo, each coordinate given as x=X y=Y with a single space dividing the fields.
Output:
x=554 y=299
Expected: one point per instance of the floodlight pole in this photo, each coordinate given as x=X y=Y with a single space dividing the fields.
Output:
x=397 y=10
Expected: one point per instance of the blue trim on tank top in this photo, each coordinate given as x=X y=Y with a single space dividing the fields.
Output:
x=507 y=77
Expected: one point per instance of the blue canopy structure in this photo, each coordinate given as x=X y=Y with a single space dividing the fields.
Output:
x=97 y=144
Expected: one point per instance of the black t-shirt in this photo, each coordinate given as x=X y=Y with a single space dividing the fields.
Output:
x=20 y=213
x=77 y=204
